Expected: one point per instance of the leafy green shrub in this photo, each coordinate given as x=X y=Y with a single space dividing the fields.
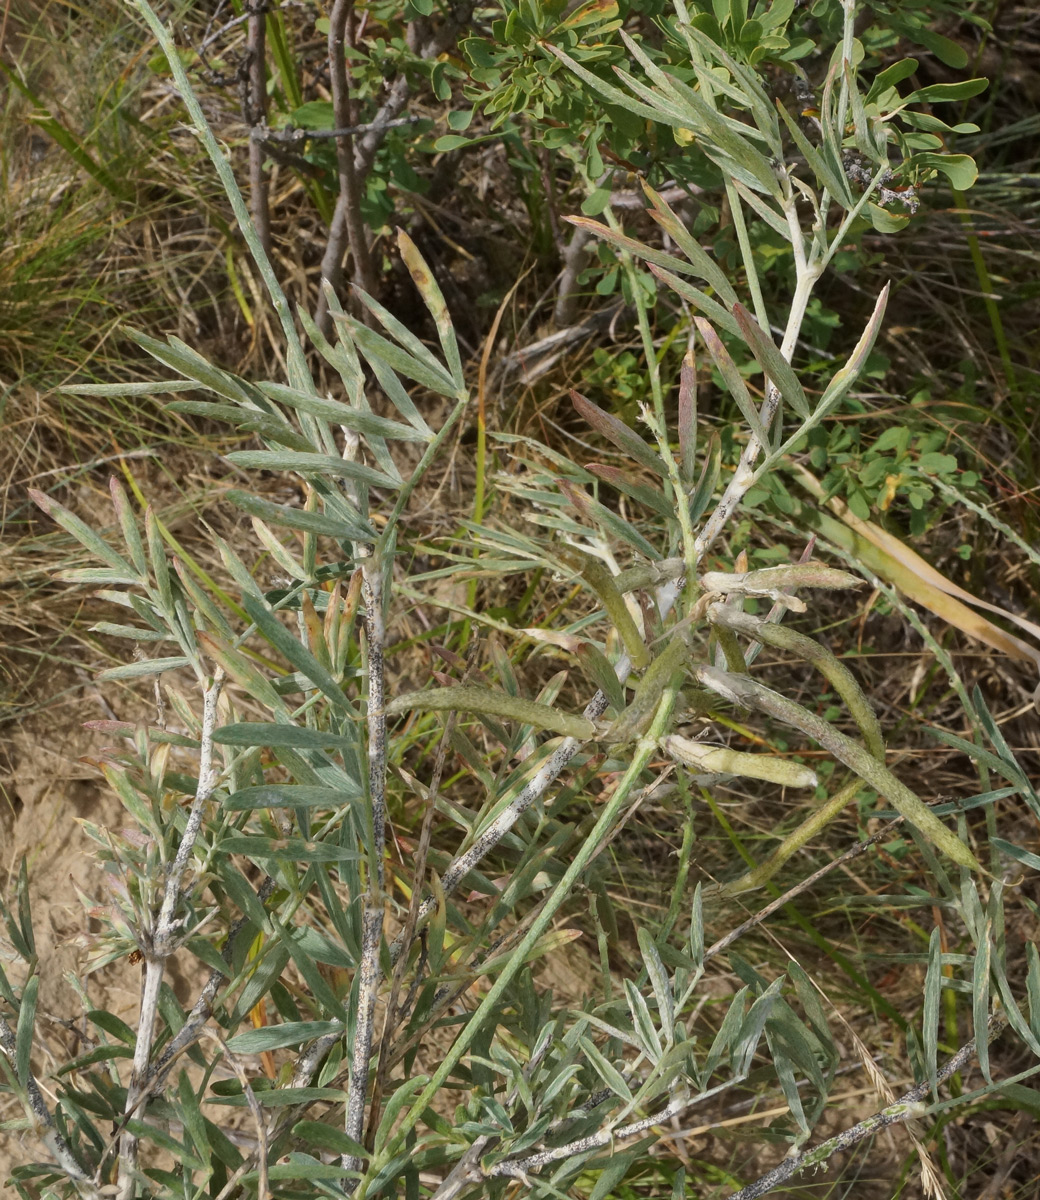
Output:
x=333 y=1017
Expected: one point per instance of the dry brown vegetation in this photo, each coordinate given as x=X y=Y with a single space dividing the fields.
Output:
x=77 y=262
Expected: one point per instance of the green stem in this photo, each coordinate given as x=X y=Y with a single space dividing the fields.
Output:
x=492 y=1001
x=794 y=841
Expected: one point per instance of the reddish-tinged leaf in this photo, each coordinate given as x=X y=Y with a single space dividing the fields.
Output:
x=732 y=378
x=619 y=433
x=617 y=478
x=769 y=358
x=688 y=417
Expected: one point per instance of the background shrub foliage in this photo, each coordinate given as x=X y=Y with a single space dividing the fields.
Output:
x=374 y=843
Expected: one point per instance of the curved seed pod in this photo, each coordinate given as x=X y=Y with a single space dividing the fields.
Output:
x=720 y=760
x=633 y=721
x=795 y=840
x=836 y=673
x=753 y=694
x=480 y=700
x=598 y=577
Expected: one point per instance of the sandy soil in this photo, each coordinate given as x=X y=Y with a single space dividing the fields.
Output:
x=45 y=792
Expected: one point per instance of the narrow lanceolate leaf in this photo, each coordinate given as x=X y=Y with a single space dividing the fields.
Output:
x=311 y=464
x=932 y=993
x=1033 y=987
x=687 y=421
x=726 y=141
x=298 y=518
x=297 y=850
x=156 y=388
x=82 y=533
x=260 y=733
x=276 y=1037
x=242 y=670
x=605 y=1069
x=732 y=378
x=626 y=440
x=646 y=253
x=741 y=689
x=325 y=1137
x=286 y=795
x=651 y=497
x=252 y=420
x=128 y=525
x=769 y=358
x=703 y=265
x=401 y=333
x=643 y=1023
x=192 y=365
x=749 y=87
x=301 y=659
x=601 y=673
x=660 y=982
x=138 y=670
x=826 y=176
x=26 y=1025
x=763 y=209
x=849 y=373
x=376 y=348
x=355 y=419
x=615 y=95
x=433 y=298
x=715 y=312
x=599 y=514
x=133 y=632
x=480 y=701
x=98 y=575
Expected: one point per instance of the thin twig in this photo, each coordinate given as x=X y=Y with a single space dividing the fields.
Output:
x=347 y=224
x=292 y=135
x=393 y=1015
x=519 y=1168
x=192 y=1029
x=163 y=939
x=808 y=270
x=905 y=1108
x=372 y=918
x=254 y=89
x=363 y=153
x=547 y=774
x=443 y=38
x=194 y=1026
x=853 y=852
x=43 y=1122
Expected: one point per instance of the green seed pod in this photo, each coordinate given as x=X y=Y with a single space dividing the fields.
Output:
x=720 y=760
x=634 y=720
x=600 y=580
x=480 y=700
